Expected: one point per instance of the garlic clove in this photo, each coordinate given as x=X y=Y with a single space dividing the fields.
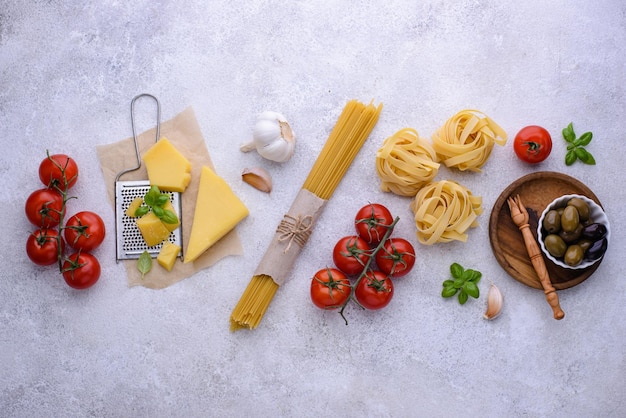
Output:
x=494 y=303
x=258 y=178
x=272 y=137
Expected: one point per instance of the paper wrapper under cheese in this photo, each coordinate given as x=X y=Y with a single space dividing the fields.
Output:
x=184 y=133
x=291 y=235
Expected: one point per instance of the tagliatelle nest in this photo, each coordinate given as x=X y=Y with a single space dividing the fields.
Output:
x=465 y=141
x=405 y=163
x=444 y=211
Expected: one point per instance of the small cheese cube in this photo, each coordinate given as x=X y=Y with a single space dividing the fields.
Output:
x=218 y=210
x=134 y=205
x=152 y=229
x=167 y=167
x=168 y=254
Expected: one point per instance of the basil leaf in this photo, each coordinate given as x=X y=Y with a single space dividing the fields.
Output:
x=456 y=270
x=162 y=200
x=169 y=217
x=471 y=289
x=585 y=156
x=151 y=197
x=584 y=139
x=448 y=292
x=458 y=283
x=142 y=210
x=144 y=264
x=475 y=276
x=570 y=157
x=448 y=283
x=158 y=211
x=462 y=297
x=568 y=133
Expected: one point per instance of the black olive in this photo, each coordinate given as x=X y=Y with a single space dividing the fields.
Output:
x=597 y=249
x=594 y=231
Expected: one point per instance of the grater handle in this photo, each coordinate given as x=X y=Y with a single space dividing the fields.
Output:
x=132 y=122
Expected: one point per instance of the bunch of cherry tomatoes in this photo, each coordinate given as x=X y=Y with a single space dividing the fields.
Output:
x=83 y=232
x=365 y=264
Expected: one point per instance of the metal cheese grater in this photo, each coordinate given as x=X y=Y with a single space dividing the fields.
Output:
x=129 y=241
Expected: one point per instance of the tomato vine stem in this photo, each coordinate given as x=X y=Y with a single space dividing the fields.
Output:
x=366 y=268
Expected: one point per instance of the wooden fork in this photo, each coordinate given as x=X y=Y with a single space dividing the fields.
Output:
x=520 y=218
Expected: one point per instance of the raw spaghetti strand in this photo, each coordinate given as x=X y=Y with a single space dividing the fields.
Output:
x=345 y=140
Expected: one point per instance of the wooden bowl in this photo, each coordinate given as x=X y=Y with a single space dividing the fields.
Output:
x=537 y=191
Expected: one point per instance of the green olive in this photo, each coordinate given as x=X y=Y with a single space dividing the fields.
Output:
x=560 y=210
x=581 y=206
x=555 y=245
x=570 y=219
x=573 y=255
x=552 y=222
x=571 y=236
x=584 y=244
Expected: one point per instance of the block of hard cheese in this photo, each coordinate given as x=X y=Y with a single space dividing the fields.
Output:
x=152 y=229
x=167 y=167
x=168 y=254
x=218 y=210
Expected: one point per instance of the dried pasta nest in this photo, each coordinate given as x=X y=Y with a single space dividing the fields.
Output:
x=444 y=211
x=405 y=163
x=466 y=140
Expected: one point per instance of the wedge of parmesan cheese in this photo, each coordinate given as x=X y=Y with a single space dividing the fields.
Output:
x=218 y=210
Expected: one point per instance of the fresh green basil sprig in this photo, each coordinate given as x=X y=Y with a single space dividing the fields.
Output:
x=576 y=146
x=464 y=282
x=155 y=200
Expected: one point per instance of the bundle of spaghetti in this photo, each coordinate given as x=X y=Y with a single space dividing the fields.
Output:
x=466 y=139
x=444 y=210
x=406 y=162
x=344 y=142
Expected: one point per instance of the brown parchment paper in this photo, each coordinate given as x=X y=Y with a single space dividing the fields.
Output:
x=184 y=133
x=290 y=236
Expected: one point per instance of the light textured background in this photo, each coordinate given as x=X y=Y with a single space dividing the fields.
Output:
x=68 y=71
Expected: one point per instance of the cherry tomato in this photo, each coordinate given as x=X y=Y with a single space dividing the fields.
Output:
x=58 y=172
x=372 y=222
x=532 y=144
x=350 y=254
x=81 y=270
x=330 y=288
x=42 y=247
x=396 y=258
x=85 y=231
x=374 y=291
x=43 y=208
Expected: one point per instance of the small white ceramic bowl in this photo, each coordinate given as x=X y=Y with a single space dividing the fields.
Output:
x=596 y=214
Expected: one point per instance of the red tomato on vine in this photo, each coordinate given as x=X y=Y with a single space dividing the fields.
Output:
x=396 y=258
x=330 y=288
x=374 y=291
x=372 y=222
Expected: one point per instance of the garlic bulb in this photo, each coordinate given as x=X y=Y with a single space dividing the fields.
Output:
x=272 y=137
x=494 y=302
